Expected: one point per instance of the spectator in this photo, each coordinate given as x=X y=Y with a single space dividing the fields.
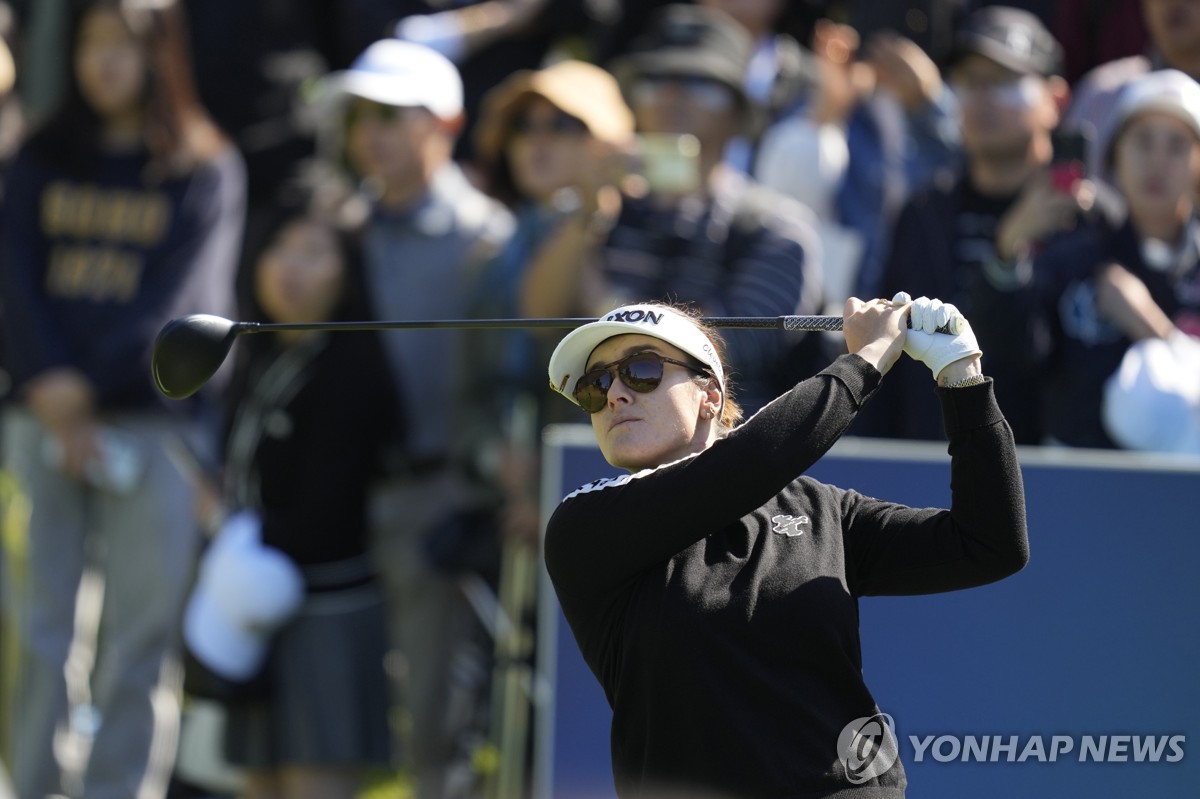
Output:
x=11 y=129
x=878 y=124
x=1107 y=290
x=810 y=138
x=1174 y=30
x=12 y=117
x=487 y=40
x=961 y=240
x=544 y=138
x=779 y=71
x=124 y=211
x=311 y=414
x=723 y=243
x=253 y=60
x=428 y=236
x=540 y=140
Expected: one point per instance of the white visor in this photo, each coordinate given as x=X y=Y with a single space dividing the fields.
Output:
x=570 y=358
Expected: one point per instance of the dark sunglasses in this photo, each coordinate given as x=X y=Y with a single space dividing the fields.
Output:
x=710 y=93
x=561 y=124
x=641 y=372
x=362 y=110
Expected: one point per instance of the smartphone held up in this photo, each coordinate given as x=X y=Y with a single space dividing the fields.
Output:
x=1068 y=165
x=665 y=163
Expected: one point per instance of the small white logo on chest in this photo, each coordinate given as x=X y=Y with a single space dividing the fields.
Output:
x=790 y=525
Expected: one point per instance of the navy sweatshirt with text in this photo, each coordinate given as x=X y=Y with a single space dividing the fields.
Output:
x=91 y=268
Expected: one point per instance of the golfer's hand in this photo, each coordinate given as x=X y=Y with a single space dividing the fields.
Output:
x=937 y=350
x=874 y=331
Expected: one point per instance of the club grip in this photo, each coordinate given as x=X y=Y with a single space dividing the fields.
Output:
x=805 y=323
x=833 y=323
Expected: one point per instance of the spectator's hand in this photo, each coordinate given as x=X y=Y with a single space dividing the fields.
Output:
x=524 y=12
x=75 y=447
x=1125 y=301
x=600 y=171
x=520 y=522
x=842 y=80
x=937 y=350
x=60 y=397
x=460 y=32
x=520 y=517
x=207 y=505
x=874 y=331
x=1040 y=211
x=903 y=68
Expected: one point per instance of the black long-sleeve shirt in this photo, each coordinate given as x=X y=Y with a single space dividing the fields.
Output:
x=306 y=440
x=715 y=598
x=943 y=245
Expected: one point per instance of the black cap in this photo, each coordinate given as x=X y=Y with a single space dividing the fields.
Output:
x=1012 y=37
x=686 y=40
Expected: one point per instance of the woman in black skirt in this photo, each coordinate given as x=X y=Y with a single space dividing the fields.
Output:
x=310 y=412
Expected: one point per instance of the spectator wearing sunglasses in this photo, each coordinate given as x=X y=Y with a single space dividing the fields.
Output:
x=393 y=120
x=544 y=140
x=713 y=589
x=688 y=226
x=548 y=139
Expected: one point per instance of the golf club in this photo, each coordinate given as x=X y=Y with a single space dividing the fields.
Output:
x=190 y=349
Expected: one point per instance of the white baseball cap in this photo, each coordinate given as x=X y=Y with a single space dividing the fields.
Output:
x=244 y=593
x=570 y=357
x=1152 y=401
x=1168 y=91
x=398 y=73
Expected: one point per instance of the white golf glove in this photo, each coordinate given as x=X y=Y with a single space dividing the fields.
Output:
x=935 y=349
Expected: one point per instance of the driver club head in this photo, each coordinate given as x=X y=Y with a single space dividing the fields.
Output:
x=188 y=351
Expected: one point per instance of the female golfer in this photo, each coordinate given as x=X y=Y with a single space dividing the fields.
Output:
x=713 y=590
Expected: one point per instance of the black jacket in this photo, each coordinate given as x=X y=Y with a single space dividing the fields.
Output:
x=716 y=598
x=1001 y=307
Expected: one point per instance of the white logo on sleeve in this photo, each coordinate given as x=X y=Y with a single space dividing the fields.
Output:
x=790 y=525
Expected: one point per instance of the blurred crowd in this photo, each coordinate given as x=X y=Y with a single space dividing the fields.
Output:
x=315 y=574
